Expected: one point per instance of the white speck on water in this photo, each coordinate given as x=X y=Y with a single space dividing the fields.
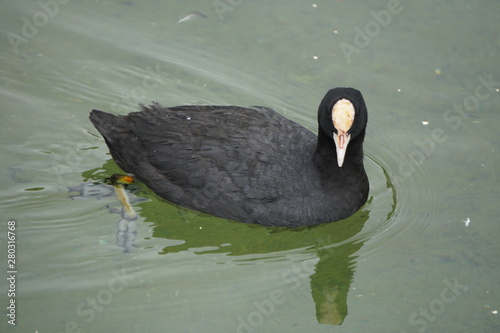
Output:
x=466 y=221
x=192 y=16
x=425 y=122
x=188 y=118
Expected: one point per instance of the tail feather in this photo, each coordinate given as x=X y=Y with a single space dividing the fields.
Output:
x=98 y=117
x=130 y=155
x=108 y=124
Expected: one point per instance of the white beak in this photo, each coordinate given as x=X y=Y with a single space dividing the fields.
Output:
x=341 y=141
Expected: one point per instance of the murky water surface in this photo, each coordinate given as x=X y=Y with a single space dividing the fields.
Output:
x=420 y=256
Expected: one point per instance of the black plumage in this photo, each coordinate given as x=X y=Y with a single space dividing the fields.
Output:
x=246 y=164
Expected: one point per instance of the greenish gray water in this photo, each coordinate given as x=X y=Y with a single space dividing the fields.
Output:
x=420 y=256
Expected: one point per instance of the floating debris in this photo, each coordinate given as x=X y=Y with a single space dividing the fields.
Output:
x=192 y=16
x=118 y=181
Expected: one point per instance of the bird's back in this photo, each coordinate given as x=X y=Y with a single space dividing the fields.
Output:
x=223 y=160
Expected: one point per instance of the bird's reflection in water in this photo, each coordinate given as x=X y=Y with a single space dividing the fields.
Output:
x=334 y=246
x=330 y=285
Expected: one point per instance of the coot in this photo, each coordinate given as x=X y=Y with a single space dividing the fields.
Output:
x=248 y=164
